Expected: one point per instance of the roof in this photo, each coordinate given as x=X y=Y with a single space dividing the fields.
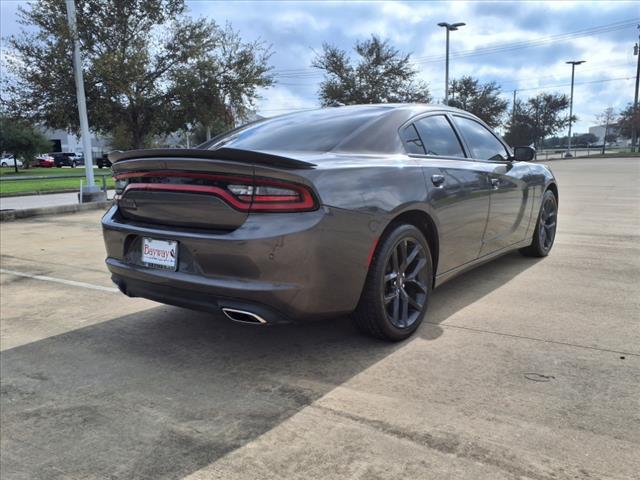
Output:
x=390 y=106
x=365 y=128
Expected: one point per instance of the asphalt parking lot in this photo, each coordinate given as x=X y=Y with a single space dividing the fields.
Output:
x=526 y=368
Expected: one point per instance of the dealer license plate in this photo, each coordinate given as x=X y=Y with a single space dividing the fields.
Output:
x=160 y=253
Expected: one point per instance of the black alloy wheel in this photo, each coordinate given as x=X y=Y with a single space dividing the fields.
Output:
x=404 y=289
x=396 y=292
x=545 y=232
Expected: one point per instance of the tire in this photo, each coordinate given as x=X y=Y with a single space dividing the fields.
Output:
x=384 y=310
x=4 y=164
x=546 y=226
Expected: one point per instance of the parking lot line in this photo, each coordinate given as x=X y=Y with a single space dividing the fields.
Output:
x=60 y=280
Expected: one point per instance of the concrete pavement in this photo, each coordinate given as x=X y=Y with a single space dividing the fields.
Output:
x=42 y=201
x=525 y=368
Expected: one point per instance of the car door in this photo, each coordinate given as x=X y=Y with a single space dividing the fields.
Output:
x=510 y=205
x=458 y=189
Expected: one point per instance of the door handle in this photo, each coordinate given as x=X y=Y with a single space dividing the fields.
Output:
x=495 y=183
x=437 y=180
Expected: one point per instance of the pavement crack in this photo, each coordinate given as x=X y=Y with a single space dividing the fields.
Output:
x=535 y=339
x=452 y=445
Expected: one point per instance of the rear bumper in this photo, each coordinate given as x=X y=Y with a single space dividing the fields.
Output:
x=133 y=284
x=284 y=267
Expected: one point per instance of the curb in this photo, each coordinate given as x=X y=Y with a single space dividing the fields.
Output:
x=33 y=194
x=10 y=215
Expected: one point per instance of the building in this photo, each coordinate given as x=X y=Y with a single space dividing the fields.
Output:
x=614 y=129
x=63 y=141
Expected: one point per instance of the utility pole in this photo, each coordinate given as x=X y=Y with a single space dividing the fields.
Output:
x=606 y=134
x=450 y=28
x=573 y=70
x=634 y=116
x=513 y=111
x=90 y=191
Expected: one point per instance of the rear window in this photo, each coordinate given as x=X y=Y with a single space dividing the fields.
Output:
x=314 y=131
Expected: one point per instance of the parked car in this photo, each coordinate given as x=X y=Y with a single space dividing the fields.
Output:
x=10 y=161
x=358 y=210
x=103 y=161
x=64 y=159
x=44 y=161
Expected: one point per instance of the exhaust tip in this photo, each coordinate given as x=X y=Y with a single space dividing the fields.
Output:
x=242 y=316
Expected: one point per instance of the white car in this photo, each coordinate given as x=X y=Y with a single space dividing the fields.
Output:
x=10 y=161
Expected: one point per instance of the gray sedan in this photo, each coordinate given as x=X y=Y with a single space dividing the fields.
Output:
x=358 y=210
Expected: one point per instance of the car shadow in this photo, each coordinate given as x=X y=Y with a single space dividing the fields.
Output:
x=164 y=392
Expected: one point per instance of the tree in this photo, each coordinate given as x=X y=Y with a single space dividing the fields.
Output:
x=380 y=75
x=20 y=138
x=483 y=100
x=626 y=121
x=607 y=118
x=579 y=139
x=547 y=110
x=553 y=142
x=540 y=117
x=225 y=84
x=585 y=139
x=520 y=128
x=140 y=58
x=611 y=138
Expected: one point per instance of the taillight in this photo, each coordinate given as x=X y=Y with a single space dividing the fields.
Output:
x=243 y=193
x=121 y=184
x=266 y=195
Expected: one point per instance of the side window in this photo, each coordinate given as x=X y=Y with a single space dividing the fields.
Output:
x=411 y=140
x=483 y=144
x=438 y=137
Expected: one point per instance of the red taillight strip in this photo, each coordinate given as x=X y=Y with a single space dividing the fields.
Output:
x=265 y=203
x=275 y=198
x=262 y=203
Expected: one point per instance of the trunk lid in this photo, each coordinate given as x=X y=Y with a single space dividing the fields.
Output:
x=189 y=187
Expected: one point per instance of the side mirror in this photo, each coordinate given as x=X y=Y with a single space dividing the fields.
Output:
x=524 y=154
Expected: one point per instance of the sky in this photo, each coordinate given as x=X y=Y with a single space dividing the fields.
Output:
x=522 y=46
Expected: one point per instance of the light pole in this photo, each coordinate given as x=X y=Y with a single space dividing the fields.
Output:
x=450 y=28
x=634 y=116
x=573 y=64
x=90 y=192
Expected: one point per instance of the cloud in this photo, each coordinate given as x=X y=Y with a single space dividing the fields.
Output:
x=297 y=29
x=280 y=100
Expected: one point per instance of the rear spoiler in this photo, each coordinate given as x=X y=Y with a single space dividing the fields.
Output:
x=228 y=154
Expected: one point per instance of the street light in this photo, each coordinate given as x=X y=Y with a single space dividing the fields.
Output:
x=573 y=70
x=450 y=28
x=90 y=192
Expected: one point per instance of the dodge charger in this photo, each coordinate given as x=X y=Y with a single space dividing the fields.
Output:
x=360 y=210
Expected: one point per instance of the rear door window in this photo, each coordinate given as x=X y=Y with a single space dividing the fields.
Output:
x=411 y=139
x=438 y=137
x=483 y=144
